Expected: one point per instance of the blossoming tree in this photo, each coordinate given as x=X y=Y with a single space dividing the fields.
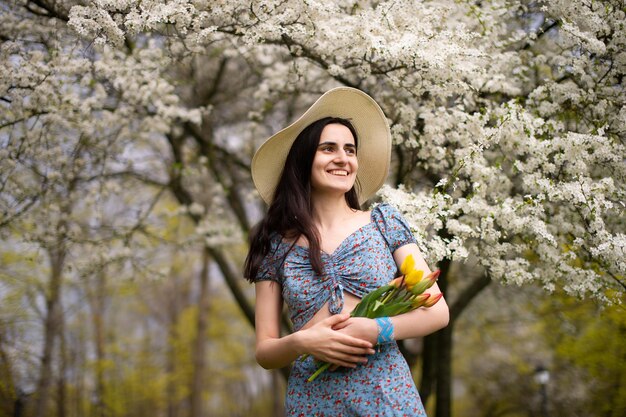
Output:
x=508 y=120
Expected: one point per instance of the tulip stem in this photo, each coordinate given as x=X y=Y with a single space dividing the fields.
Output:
x=389 y=295
x=321 y=369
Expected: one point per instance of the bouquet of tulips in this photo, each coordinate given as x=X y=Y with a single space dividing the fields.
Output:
x=401 y=295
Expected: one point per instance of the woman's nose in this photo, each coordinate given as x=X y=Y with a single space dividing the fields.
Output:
x=341 y=157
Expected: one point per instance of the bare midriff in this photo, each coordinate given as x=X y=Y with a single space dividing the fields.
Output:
x=349 y=303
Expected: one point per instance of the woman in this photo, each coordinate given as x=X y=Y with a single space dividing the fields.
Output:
x=318 y=252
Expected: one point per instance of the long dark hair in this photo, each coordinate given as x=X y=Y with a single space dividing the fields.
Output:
x=291 y=214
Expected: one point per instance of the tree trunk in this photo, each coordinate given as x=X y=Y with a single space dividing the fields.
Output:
x=61 y=381
x=170 y=369
x=444 y=341
x=444 y=372
x=178 y=294
x=277 y=388
x=97 y=317
x=429 y=374
x=51 y=328
x=199 y=348
x=232 y=280
x=8 y=393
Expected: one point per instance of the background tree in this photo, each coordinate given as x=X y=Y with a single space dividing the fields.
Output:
x=508 y=123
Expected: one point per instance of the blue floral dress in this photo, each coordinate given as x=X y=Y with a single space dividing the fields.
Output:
x=362 y=262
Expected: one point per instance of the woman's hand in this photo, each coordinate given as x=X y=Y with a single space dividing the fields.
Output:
x=325 y=343
x=359 y=327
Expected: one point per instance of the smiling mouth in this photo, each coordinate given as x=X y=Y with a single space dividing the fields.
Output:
x=338 y=172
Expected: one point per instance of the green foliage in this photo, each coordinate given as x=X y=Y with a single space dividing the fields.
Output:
x=501 y=342
x=589 y=339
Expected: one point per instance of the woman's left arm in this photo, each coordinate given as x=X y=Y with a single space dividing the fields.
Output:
x=416 y=323
x=422 y=321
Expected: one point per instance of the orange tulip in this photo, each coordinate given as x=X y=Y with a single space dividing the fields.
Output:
x=425 y=283
x=433 y=276
x=420 y=300
x=431 y=301
x=397 y=282
x=391 y=299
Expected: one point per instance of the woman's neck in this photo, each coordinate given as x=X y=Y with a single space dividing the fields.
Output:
x=328 y=211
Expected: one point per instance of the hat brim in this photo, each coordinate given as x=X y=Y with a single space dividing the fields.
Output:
x=370 y=124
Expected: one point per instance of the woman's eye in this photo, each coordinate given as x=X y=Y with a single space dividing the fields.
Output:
x=350 y=151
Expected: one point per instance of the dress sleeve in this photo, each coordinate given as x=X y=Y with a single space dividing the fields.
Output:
x=394 y=229
x=271 y=266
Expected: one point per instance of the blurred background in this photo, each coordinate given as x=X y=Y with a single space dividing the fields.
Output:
x=126 y=134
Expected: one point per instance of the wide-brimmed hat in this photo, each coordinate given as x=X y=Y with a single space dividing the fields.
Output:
x=370 y=124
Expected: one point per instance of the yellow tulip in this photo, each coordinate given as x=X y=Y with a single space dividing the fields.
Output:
x=407 y=265
x=413 y=277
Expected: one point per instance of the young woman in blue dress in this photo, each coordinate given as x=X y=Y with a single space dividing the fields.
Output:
x=319 y=253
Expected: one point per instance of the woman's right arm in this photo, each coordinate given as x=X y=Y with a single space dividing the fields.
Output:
x=319 y=340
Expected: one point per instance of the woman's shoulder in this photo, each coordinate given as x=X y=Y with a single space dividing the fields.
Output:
x=385 y=211
x=392 y=226
x=278 y=242
x=271 y=265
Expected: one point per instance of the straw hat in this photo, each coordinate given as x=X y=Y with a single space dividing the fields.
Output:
x=372 y=129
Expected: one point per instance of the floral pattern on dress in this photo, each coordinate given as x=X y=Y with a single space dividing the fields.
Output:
x=361 y=263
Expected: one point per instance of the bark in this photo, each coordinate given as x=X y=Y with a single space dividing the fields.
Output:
x=51 y=328
x=277 y=388
x=429 y=356
x=170 y=366
x=443 y=403
x=231 y=276
x=61 y=402
x=8 y=393
x=232 y=279
x=184 y=197
x=468 y=295
x=442 y=360
x=445 y=344
x=97 y=314
x=179 y=294
x=199 y=348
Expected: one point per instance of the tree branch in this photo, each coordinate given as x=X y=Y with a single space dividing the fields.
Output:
x=184 y=197
x=231 y=280
x=468 y=294
x=217 y=167
x=49 y=9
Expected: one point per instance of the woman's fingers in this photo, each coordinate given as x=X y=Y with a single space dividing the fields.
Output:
x=344 y=364
x=353 y=341
x=349 y=360
x=341 y=325
x=336 y=347
x=335 y=319
x=358 y=350
x=359 y=327
x=344 y=354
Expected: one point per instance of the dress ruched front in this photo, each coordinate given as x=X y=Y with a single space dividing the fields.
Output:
x=362 y=262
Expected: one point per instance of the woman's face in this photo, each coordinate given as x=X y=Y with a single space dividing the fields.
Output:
x=335 y=164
